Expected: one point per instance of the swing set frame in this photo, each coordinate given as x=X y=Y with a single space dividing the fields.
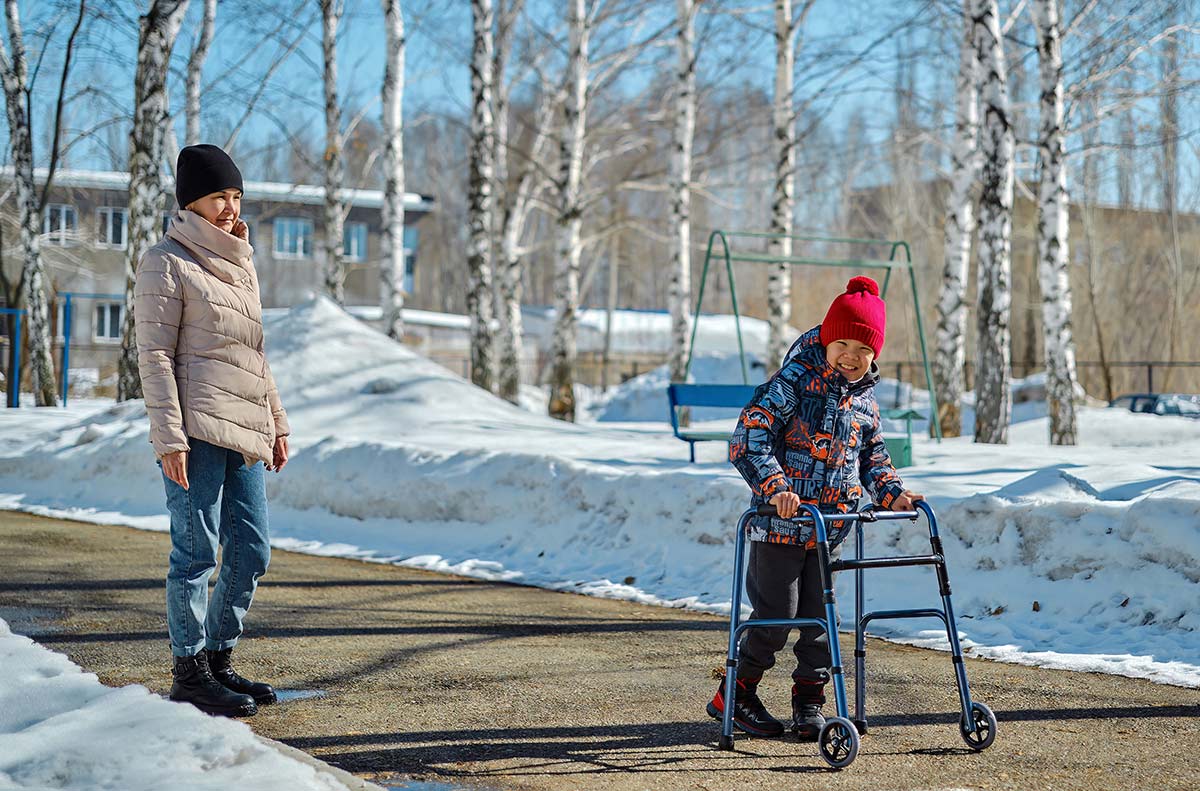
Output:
x=899 y=258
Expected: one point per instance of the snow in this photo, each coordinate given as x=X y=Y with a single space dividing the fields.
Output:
x=61 y=728
x=396 y=459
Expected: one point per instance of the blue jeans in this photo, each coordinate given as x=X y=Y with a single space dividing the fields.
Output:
x=213 y=472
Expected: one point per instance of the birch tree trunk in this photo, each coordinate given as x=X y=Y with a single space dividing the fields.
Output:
x=1053 y=229
x=482 y=180
x=159 y=29
x=1169 y=132
x=993 y=403
x=779 y=279
x=195 y=70
x=508 y=223
x=570 y=217
x=335 y=272
x=392 y=267
x=951 y=340
x=679 y=294
x=15 y=75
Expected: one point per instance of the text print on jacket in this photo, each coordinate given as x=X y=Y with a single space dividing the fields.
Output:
x=200 y=343
x=810 y=431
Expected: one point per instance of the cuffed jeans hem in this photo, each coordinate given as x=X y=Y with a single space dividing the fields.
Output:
x=187 y=650
x=224 y=645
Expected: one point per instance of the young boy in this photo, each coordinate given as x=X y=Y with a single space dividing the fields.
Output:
x=810 y=434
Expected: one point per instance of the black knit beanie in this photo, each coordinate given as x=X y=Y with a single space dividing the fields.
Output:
x=202 y=170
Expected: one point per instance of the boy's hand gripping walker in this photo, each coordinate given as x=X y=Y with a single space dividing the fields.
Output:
x=839 y=739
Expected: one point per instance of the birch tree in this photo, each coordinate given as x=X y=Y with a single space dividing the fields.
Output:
x=679 y=293
x=392 y=267
x=482 y=176
x=993 y=405
x=195 y=71
x=951 y=338
x=570 y=215
x=1053 y=228
x=783 y=202
x=14 y=73
x=335 y=214
x=159 y=29
x=511 y=209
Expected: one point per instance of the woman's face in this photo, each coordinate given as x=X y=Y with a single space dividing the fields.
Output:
x=222 y=209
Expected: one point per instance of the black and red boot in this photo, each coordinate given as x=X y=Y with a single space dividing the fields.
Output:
x=807 y=699
x=749 y=713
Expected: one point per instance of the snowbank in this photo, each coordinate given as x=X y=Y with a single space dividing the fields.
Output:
x=61 y=728
x=397 y=459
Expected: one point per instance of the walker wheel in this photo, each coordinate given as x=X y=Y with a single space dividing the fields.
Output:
x=838 y=742
x=725 y=743
x=985 y=727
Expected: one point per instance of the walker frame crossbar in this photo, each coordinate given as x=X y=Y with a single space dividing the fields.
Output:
x=839 y=739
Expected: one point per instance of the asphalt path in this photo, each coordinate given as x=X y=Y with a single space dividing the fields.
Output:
x=393 y=673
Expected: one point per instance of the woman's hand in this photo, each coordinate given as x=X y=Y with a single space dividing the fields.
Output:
x=174 y=466
x=786 y=504
x=906 y=501
x=241 y=230
x=280 y=454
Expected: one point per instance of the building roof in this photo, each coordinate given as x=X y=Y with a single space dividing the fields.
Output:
x=255 y=190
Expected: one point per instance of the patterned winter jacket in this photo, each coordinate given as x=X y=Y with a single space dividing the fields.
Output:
x=809 y=430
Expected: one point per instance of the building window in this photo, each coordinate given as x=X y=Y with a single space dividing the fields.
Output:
x=354 y=241
x=293 y=237
x=108 y=319
x=59 y=223
x=111 y=224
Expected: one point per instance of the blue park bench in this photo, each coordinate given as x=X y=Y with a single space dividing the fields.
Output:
x=737 y=396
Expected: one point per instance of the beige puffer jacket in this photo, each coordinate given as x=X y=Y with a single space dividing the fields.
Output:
x=200 y=343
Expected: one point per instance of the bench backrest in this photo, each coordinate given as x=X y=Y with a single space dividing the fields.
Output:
x=729 y=396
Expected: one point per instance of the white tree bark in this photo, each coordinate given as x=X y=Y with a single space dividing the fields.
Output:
x=993 y=403
x=680 y=290
x=515 y=214
x=570 y=216
x=392 y=266
x=335 y=214
x=15 y=74
x=482 y=181
x=951 y=337
x=195 y=71
x=505 y=260
x=1053 y=228
x=159 y=29
x=779 y=279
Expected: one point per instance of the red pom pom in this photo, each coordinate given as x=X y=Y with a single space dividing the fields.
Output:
x=860 y=283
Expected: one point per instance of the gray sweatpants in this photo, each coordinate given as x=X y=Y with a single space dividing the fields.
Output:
x=784 y=581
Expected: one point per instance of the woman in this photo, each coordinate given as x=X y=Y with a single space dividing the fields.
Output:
x=215 y=422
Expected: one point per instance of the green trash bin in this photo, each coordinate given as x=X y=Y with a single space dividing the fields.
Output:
x=900 y=448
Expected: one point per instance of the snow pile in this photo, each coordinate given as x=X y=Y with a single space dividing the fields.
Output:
x=61 y=728
x=397 y=459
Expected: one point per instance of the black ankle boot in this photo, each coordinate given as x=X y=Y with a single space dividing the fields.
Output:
x=807 y=719
x=194 y=683
x=749 y=713
x=222 y=669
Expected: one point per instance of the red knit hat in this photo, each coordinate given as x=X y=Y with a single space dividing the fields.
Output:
x=859 y=315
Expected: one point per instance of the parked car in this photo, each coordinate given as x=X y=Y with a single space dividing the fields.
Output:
x=1184 y=404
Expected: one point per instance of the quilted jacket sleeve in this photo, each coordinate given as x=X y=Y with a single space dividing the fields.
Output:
x=760 y=427
x=875 y=464
x=157 y=311
x=282 y=429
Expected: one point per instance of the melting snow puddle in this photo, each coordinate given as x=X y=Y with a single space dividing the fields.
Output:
x=287 y=695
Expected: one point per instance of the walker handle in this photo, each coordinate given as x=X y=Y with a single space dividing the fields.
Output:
x=766 y=509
